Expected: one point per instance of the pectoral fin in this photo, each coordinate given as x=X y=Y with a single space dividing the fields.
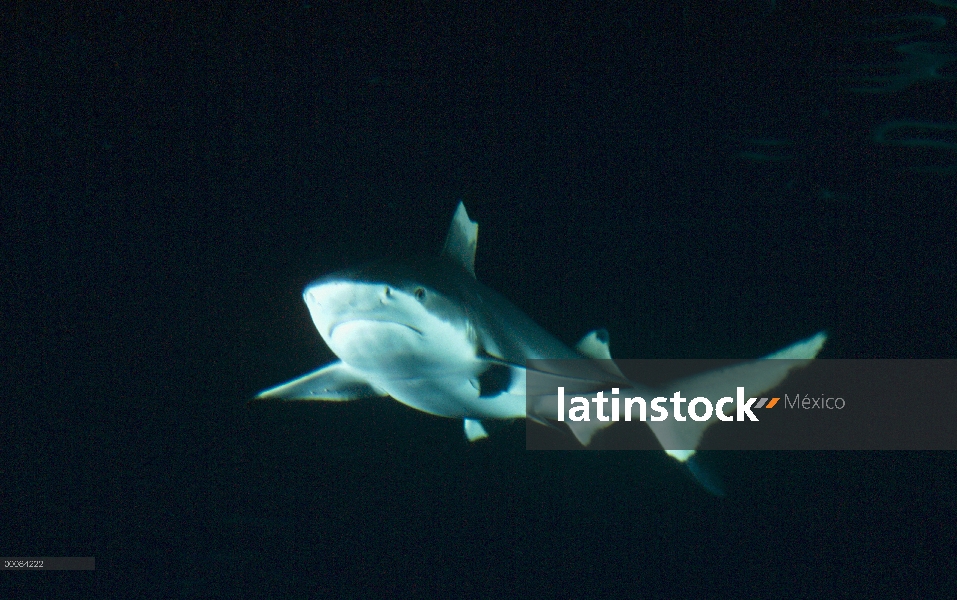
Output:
x=334 y=382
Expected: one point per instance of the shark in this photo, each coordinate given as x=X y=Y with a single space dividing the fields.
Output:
x=427 y=333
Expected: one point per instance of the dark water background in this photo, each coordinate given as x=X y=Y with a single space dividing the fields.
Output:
x=697 y=177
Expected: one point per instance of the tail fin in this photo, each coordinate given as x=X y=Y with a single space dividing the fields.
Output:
x=680 y=438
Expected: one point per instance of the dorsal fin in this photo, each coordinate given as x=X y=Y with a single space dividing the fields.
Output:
x=462 y=240
x=595 y=345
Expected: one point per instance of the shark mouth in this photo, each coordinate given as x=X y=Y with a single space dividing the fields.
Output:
x=336 y=325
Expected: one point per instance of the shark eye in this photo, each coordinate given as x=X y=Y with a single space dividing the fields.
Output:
x=388 y=292
x=419 y=293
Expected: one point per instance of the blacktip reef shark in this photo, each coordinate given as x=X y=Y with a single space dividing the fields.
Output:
x=428 y=334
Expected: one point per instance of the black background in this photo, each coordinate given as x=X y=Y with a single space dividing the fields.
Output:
x=174 y=173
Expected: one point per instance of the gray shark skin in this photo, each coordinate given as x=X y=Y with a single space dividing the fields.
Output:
x=429 y=335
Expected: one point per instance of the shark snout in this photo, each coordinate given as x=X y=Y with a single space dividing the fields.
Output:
x=334 y=303
x=327 y=297
x=339 y=297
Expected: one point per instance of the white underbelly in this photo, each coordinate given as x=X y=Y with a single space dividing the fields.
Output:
x=452 y=396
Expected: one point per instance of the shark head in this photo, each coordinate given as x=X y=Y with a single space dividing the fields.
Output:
x=394 y=320
x=423 y=332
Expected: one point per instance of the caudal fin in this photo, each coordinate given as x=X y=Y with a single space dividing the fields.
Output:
x=681 y=438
